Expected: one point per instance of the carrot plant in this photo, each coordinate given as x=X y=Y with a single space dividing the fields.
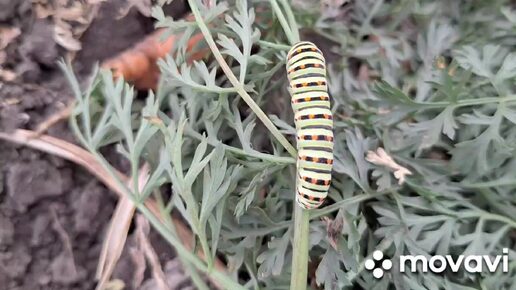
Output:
x=423 y=96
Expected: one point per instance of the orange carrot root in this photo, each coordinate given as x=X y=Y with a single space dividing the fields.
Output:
x=137 y=65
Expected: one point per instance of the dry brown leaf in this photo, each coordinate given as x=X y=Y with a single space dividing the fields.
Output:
x=143 y=6
x=74 y=11
x=66 y=150
x=9 y=102
x=7 y=75
x=70 y=18
x=115 y=284
x=7 y=36
x=138 y=259
x=142 y=231
x=41 y=9
x=63 y=36
x=114 y=241
x=334 y=230
x=117 y=234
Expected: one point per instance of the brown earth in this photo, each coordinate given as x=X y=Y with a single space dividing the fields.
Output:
x=53 y=214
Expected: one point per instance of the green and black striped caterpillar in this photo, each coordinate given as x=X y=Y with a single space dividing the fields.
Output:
x=306 y=72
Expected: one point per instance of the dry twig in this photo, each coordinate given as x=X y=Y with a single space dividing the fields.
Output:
x=58 y=116
x=142 y=231
x=66 y=258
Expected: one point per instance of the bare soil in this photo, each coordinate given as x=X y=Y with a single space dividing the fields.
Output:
x=53 y=214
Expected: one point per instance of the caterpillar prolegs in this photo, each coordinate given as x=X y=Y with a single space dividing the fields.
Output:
x=306 y=72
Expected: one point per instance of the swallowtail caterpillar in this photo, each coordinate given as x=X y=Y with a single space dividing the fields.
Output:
x=306 y=71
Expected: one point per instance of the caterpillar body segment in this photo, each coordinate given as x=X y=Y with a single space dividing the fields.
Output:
x=306 y=71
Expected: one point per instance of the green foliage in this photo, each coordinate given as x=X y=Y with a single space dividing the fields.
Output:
x=432 y=82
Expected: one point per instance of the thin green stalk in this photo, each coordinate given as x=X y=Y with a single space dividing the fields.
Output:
x=273 y=45
x=489 y=216
x=134 y=172
x=504 y=181
x=205 y=248
x=188 y=267
x=298 y=279
x=236 y=83
x=345 y=202
x=468 y=102
x=254 y=154
x=283 y=21
x=197 y=280
x=291 y=20
x=222 y=278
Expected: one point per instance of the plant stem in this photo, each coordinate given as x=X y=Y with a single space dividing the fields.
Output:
x=302 y=217
x=254 y=154
x=298 y=279
x=283 y=21
x=489 y=216
x=345 y=202
x=273 y=45
x=291 y=20
x=224 y=280
x=299 y=274
x=188 y=267
x=236 y=83
x=467 y=102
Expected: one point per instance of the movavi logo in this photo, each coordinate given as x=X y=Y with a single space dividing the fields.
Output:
x=440 y=263
x=377 y=267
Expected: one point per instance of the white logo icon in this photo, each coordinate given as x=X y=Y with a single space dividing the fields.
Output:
x=439 y=263
x=370 y=264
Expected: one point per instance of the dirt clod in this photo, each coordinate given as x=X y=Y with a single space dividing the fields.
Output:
x=36 y=48
x=174 y=277
x=14 y=264
x=87 y=207
x=64 y=270
x=6 y=232
x=7 y=8
x=30 y=182
x=39 y=227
